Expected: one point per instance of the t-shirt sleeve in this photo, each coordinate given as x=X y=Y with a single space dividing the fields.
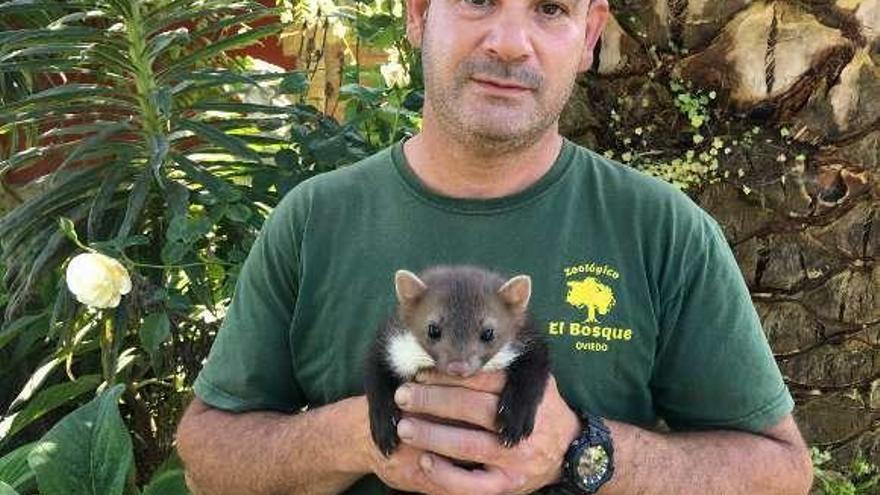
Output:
x=250 y=364
x=714 y=367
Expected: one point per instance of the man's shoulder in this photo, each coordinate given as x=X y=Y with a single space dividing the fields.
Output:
x=347 y=181
x=358 y=174
x=634 y=190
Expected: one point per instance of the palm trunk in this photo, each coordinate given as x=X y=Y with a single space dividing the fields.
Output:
x=797 y=110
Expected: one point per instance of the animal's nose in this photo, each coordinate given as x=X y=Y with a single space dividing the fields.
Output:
x=458 y=368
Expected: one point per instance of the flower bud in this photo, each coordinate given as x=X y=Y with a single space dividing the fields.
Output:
x=97 y=280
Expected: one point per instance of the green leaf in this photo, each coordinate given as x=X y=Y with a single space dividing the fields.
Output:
x=230 y=43
x=109 y=186
x=220 y=188
x=186 y=229
x=25 y=6
x=174 y=251
x=199 y=80
x=287 y=159
x=34 y=382
x=171 y=482
x=238 y=213
x=14 y=469
x=20 y=38
x=93 y=145
x=7 y=490
x=220 y=138
x=76 y=129
x=155 y=330
x=14 y=329
x=136 y=203
x=177 y=197
x=179 y=11
x=253 y=12
x=88 y=452
x=50 y=399
x=220 y=106
x=162 y=40
x=68 y=228
x=42 y=65
x=62 y=22
x=361 y=93
x=296 y=83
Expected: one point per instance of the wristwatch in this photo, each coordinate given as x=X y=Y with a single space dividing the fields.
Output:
x=589 y=461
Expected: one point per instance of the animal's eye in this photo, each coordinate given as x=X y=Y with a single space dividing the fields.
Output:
x=488 y=334
x=433 y=331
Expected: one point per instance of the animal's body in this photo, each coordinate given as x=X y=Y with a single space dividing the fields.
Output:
x=458 y=320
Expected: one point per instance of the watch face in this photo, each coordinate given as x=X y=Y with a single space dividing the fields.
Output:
x=593 y=465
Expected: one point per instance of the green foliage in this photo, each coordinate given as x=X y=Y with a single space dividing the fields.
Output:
x=15 y=472
x=163 y=152
x=87 y=452
x=158 y=156
x=859 y=478
x=694 y=104
x=382 y=103
x=693 y=158
x=4 y=296
x=168 y=479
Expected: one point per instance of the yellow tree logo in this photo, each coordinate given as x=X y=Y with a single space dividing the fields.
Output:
x=591 y=294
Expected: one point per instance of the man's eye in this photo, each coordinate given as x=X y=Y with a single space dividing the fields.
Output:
x=551 y=9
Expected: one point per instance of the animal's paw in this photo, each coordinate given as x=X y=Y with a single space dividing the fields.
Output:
x=383 y=427
x=516 y=418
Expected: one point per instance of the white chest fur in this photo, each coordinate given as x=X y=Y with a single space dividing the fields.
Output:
x=407 y=356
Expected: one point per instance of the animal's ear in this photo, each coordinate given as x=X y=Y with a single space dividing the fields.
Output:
x=517 y=291
x=408 y=286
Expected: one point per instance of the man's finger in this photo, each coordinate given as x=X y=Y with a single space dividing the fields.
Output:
x=452 y=441
x=460 y=404
x=492 y=381
x=456 y=480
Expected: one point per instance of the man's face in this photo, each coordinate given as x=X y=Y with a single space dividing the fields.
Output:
x=499 y=72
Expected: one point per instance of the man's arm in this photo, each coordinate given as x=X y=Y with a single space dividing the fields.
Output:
x=646 y=463
x=320 y=451
x=720 y=462
x=269 y=452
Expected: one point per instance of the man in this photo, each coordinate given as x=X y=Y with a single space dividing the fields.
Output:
x=644 y=308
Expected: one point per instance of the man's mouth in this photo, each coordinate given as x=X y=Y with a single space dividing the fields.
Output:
x=500 y=84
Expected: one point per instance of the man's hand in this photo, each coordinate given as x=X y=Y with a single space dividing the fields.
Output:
x=526 y=467
x=401 y=470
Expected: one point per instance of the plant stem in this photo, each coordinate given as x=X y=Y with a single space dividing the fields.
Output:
x=108 y=352
x=144 y=78
x=184 y=265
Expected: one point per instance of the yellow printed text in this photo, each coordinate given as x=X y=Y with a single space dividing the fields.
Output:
x=576 y=329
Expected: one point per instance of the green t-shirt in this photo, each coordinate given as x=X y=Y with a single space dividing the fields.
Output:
x=645 y=310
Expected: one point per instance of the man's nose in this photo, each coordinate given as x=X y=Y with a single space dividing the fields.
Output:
x=508 y=39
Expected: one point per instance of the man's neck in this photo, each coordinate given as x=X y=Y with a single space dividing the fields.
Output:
x=451 y=168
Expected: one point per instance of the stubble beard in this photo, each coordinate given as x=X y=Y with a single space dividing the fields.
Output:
x=467 y=127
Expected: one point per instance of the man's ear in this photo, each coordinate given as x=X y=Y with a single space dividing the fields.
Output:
x=416 y=16
x=597 y=18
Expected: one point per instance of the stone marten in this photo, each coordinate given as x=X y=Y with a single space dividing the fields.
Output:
x=458 y=320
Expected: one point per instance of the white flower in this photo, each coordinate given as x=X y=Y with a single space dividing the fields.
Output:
x=394 y=73
x=97 y=280
x=339 y=30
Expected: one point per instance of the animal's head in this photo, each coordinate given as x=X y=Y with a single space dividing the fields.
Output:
x=465 y=318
